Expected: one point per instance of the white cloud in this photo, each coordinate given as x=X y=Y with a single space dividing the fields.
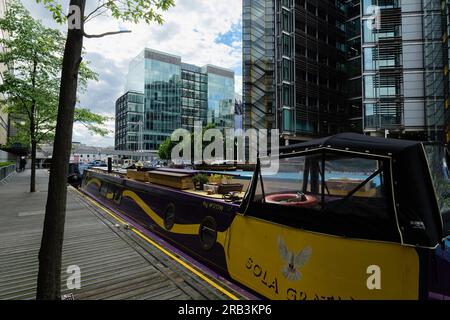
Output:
x=191 y=30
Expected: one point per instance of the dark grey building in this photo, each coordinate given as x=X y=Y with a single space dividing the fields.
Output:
x=295 y=67
x=129 y=121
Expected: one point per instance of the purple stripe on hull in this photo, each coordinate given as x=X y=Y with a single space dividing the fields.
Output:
x=175 y=250
x=437 y=296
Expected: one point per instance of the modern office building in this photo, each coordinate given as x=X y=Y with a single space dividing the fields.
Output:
x=296 y=82
x=258 y=36
x=129 y=121
x=403 y=69
x=353 y=66
x=314 y=68
x=174 y=95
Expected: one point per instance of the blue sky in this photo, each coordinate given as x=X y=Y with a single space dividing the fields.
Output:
x=200 y=31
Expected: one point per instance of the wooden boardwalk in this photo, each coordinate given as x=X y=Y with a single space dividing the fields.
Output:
x=115 y=263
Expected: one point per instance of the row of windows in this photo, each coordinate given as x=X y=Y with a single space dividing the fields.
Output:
x=321 y=80
x=191 y=76
x=319 y=12
x=323 y=58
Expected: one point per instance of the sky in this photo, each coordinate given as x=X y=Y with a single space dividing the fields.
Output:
x=200 y=31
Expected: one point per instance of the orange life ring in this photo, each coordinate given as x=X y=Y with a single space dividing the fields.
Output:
x=278 y=198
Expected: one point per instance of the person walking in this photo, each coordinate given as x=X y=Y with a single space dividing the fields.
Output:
x=23 y=163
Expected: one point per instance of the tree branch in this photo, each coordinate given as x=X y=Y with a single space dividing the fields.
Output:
x=86 y=19
x=105 y=34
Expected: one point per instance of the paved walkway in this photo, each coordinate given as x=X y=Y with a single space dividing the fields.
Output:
x=114 y=263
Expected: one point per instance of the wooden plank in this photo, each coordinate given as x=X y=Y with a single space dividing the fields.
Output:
x=115 y=263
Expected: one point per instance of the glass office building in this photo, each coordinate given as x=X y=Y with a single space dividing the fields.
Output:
x=176 y=95
x=295 y=67
x=129 y=121
x=258 y=48
x=314 y=68
x=353 y=67
x=403 y=68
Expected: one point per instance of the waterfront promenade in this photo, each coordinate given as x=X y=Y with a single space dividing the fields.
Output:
x=115 y=263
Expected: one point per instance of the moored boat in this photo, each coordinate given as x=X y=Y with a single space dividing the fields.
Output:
x=345 y=217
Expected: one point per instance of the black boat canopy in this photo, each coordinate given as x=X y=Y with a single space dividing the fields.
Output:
x=415 y=201
x=357 y=143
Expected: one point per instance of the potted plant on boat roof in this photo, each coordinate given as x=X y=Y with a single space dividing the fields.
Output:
x=215 y=179
x=200 y=180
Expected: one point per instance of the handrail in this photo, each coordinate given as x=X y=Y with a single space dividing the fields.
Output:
x=6 y=171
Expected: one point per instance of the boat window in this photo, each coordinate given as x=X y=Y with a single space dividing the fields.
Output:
x=116 y=193
x=438 y=162
x=297 y=183
x=315 y=181
x=331 y=193
x=104 y=189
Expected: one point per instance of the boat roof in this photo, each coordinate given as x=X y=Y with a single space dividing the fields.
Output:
x=410 y=174
x=355 y=142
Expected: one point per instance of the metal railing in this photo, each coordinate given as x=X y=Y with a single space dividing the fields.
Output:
x=6 y=171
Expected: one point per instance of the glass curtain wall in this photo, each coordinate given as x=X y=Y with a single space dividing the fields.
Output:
x=382 y=65
x=258 y=64
x=162 y=102
x=220 y=100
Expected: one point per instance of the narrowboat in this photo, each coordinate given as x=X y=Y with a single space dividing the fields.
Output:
x=345 y=217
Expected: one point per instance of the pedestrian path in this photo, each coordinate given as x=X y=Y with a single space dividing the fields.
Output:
x=114 y=262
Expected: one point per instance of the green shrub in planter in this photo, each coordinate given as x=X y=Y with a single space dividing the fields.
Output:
x=199 y=180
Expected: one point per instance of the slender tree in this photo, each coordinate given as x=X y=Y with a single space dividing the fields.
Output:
x=50 y=254
x=33 y=54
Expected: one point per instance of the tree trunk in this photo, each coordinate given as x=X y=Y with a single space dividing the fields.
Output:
x=50 y=254
x=33 y=132
x=33 y=167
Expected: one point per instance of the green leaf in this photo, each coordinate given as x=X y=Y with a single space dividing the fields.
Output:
x=34 y=54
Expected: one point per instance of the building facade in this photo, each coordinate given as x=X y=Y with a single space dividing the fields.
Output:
x=403 y=69
x=314 y=68
x=175 y=95
x=258 y=48
x=129 y=121
x=296 y=83
x=194 y=95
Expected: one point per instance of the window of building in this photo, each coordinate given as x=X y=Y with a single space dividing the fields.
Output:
x=312 y=78
x=287 y=45
x=287 y=96
x=287 y=20
x=287 y=120
x=311 y=8
x=287 y=70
